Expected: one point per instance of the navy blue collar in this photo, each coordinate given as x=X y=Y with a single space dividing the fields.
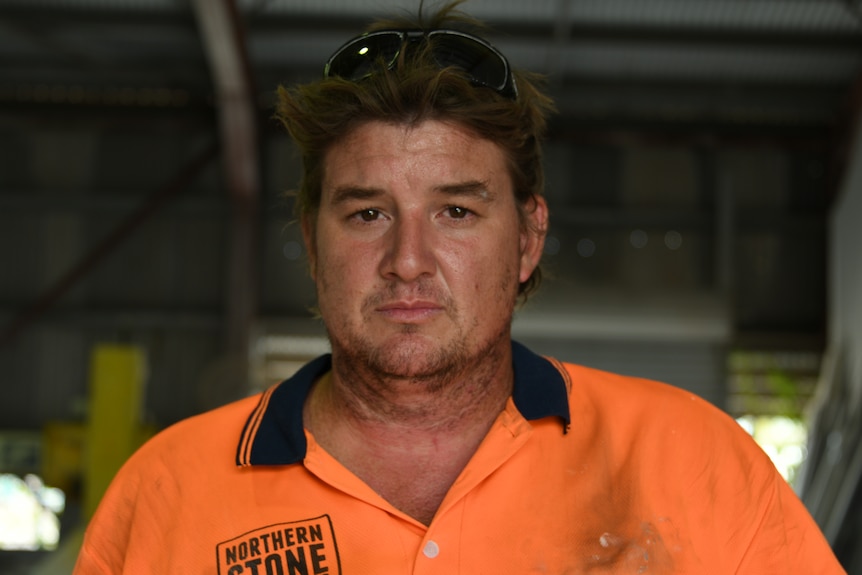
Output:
x=274 y=434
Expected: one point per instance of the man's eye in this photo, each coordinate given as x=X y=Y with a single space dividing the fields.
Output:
x=369 y=215
x=457 y=212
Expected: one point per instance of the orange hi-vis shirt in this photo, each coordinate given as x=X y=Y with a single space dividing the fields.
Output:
x=583 y=472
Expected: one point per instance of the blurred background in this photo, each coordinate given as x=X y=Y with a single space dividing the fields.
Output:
x=704 y=178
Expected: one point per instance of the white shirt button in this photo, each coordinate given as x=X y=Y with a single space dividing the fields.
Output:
x=431 y=550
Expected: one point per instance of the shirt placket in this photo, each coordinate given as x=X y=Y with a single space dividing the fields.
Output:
x=441 y=548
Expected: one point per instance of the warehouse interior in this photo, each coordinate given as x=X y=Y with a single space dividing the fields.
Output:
x=704 y=179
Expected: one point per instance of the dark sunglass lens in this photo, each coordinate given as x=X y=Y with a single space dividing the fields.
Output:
x=357 y=59
x=481 y=63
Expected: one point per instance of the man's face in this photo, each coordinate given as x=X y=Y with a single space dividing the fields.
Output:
x=418 y=248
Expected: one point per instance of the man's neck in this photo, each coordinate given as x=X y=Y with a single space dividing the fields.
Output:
x=390 y=432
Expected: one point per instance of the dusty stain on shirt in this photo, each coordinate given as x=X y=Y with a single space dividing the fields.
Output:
x=640 y=551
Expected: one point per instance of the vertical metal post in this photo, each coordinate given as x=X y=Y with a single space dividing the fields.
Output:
x=724 y=235
x=226 y=52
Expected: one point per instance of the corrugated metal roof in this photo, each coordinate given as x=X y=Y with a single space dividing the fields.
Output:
x=155 y=44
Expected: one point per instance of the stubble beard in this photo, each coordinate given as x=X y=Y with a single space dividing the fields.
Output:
x=454 y=375
x=410 y=355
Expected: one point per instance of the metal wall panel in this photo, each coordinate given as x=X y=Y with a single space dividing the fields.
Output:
x=698 y=367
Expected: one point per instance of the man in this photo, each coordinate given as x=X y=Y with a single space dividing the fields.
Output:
x=429 y=442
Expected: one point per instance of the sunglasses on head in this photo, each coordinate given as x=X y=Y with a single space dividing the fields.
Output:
x=483 y=64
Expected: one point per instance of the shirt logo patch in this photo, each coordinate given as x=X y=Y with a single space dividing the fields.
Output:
x=304 y=547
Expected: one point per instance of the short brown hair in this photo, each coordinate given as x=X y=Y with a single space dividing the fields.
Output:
x=321 y=113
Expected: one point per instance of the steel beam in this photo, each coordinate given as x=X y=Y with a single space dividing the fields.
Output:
x=224 y=45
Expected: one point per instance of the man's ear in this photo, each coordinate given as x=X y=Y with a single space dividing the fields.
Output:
x=308 y=233
x=533 y=232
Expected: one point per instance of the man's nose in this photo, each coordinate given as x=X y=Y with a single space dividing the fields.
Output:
x=409 y=249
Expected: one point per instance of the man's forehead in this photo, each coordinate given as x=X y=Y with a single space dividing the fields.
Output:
x=376 y=152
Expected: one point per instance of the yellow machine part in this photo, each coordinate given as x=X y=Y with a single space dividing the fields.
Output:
x=117 y=375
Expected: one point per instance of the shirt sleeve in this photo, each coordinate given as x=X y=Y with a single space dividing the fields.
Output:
x=89 y=564
x=787 y=539
x=107 y=536
x=133 y=518
x=765 y=527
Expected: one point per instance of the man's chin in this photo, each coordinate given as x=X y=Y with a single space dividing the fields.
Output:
x=411 y=355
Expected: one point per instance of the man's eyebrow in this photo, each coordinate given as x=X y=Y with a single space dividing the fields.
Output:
x=344 y=194
x=472 y=188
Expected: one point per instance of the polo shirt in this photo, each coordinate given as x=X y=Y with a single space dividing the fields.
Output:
x=582 y=472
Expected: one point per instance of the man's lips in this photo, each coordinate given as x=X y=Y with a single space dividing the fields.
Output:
x=409 y=311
